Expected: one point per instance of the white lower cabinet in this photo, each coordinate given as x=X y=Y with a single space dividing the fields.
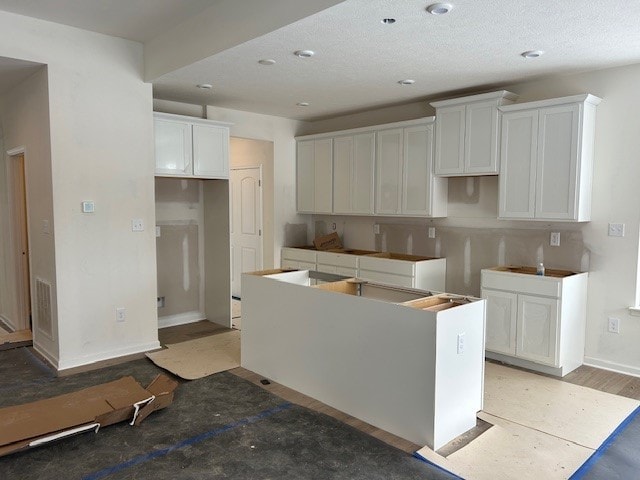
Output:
x=535 y=322
x=298 y=258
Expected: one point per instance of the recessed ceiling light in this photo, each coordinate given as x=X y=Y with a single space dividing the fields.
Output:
x=267 y=61
x=532 y=53
x=302 y=104
x=408 y=81
x=439 y=8
x=388 y=21
x=205 y=86
x=304 y=53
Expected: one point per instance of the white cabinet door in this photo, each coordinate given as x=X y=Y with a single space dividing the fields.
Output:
x=305 y=184
x=323 y=175
x=362 y=173
x=537 y=327
x=501 y=321
x=210 y=151
x=481 y=138
x=342 y=167
x=353 y=172
x=450 y=136
x=172 y=147
x=557 y=162
x=417 y=180
x=389 y=171
x=518 y=152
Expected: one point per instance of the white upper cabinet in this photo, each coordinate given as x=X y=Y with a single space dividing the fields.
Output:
x=467 y=132
x=314 y=176
x=353 y=173
x=381 y=170
x=547 y=159
x=191 y=147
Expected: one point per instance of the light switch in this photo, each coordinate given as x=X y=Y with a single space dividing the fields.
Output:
x=554 y=239
x=88 y=207
x=158 y=232
x=432 y=232
x=616 y=229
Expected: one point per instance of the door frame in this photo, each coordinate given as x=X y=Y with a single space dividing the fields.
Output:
x=260 y=213
x=25 y=299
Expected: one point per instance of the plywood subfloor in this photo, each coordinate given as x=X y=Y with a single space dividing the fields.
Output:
x=508 y=450
x=201 y=357
x=21 y=338
x=189 y=331
x=581 y=415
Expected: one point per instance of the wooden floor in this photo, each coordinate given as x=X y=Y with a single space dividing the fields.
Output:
x=603 y=380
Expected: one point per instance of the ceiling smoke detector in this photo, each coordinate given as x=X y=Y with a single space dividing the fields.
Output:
x=532 y=53
x=407 y=81
x=439 y=8
x=388 y=21
x=304 y=53
x=267 y=61
x=205 y=86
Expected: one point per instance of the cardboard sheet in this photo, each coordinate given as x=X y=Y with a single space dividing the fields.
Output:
x=578 y=414
x=201 y=357
x=40 y=422
x=21 y=338
x=508 y=450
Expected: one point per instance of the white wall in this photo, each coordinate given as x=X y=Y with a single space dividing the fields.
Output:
x=616 y=198
x=24 y=113
x=100 y=115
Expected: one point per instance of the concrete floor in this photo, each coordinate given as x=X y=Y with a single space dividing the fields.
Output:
x=220 y=426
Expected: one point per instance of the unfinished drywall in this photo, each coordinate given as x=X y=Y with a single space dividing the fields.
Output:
x=24 y=113
x=247 y=152
x=101 y=149
x=179 y=249
x=612 y=262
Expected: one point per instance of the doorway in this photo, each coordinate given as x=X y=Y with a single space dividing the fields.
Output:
x=245 y=184
x=18 y=216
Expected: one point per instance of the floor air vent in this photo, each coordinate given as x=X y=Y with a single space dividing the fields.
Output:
x=43 y=307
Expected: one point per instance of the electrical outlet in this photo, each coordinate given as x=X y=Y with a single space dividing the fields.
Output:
x=333 y=226
x=376 y=229
x=616 y=229
x=432 y=232
x=121 y=314
x=160 y=302
x=614 y=325
x=137 y=225
x=554 y=239
x=460 y=346
x=158 y=231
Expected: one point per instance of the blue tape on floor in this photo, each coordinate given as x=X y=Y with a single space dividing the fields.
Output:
x=595 y=456
x=442 y=469
x=146 y=457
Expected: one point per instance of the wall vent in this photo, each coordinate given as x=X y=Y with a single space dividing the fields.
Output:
x=43 y=307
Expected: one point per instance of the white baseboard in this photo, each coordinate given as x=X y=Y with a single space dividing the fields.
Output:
x=65 y=364
x=8 y=323
x=612 y=366
x=180 y=319
x=51 y=359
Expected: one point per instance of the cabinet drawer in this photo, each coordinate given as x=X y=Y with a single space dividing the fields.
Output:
x=530 y=284
x=386 y=265
x=386 y=278
x=337 y=259
x=300 y=254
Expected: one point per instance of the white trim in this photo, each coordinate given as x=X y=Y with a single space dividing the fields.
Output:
x=612 y=366
x=50 y=358
x=186 y=118
x=634 y=311
x=372 y=128
x=108 y=355
x=7 y=322
x=552 y=102
x=17 y=151
x=481 y=97
x=180 y=319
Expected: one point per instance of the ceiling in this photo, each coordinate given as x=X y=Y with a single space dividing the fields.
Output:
x=359 y=60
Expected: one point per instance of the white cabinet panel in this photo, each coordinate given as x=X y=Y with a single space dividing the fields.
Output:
x=518 y=164
x=417 y=174
x=210 y=151
x=362 y=173
x=389 y=171
x=450 y=132
x=481 y=138
x=386 y=278
x=323 y=175
x=305 y=185
x=501 y=321
x=537 y=328
x=557 y=162
x=342 y=167
x=172 y=147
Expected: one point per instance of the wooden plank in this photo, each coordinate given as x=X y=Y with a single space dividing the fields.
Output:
x=21 y=338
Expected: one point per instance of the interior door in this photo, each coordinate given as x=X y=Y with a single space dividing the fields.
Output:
x=246 y=223
x=21 y=241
